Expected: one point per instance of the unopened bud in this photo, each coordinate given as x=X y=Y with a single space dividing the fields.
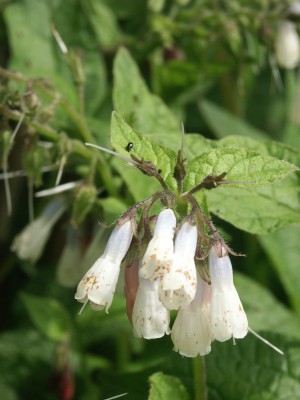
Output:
x=287 y=46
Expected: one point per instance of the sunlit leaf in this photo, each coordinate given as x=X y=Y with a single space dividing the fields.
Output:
x=239 y=164
x=164 y=159
x=142 y=110
x=165 y=387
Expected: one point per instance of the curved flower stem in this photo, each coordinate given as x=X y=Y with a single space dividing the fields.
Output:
x=199 y=375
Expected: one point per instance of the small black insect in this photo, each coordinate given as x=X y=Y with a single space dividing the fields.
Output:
x=129 y=146
x=159 y=171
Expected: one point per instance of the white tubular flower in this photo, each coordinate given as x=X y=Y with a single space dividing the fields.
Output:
x=30 y=242
x=150 y=318
x=178 y=286
x=159 y=254
x=287 y=45
x=228 y=318
x=99 y=283
x=191 y=332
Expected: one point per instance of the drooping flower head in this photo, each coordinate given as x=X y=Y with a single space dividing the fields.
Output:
x=166 y=278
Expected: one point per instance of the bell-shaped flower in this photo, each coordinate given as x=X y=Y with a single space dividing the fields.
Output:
x=150 y=318
x=228 y=318
x=191 y=332
x=99 y=283
x=287 y=45
x=30 y=242
x=178 y=286
x=158 y=257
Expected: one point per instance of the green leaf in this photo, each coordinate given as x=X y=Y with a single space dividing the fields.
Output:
x=146 y=186
x=261 y=210
x=30 y=36
x=239 y=164
x=196 y=144
x=282 y=248
x=7 y=392
x=165 y=387
x=77 y=33
x=48 y=315
x=142 y=110
x=222 y=123
x=270 y=147
x=264 y=209
x=143 y=148
x=253 y=371
x=24 y=355
x=95 y=81
x=103 y=23
x=113 y=208
x=258 y=302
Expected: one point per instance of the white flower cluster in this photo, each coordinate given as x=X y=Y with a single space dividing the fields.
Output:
x=166 y=279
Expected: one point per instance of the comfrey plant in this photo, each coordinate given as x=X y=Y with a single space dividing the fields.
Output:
x=177 y=259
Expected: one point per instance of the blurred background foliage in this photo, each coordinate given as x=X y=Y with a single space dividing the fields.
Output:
x=210 y=64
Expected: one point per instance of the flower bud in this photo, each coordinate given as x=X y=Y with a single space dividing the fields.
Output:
x=178 y=286
x=159 y=254
x=99 y=283
x=30 y=242
x=228 y=318
x=131 y=279
x=287 y=45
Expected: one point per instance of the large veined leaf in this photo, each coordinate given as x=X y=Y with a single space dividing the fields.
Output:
x=240 y=165
x=196 y=144
x=283 y=249
x=164 y=159
x=142 y=110
x=270 y=147
x=249 y=370
x=253 y=371
x=261 y=210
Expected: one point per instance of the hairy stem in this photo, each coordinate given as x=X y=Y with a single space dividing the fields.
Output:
x=200 y=392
